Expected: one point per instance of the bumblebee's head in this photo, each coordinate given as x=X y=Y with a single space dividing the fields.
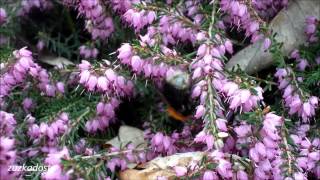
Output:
x=178 y=79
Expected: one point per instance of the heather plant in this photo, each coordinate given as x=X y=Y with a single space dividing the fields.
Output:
x=158 y=66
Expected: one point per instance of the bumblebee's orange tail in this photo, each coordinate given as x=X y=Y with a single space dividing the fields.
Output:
x=176 y=115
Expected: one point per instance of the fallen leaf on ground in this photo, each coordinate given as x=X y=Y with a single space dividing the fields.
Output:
x=128 y=134
x=161 y=167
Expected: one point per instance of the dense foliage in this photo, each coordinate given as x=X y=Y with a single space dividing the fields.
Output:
x=74 y=71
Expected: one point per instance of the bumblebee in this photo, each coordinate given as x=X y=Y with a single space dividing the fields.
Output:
x=176 y=95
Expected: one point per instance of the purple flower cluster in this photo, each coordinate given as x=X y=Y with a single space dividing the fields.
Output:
x=294 y=97
x=3 y=16
x=88 y=52
x=7 y=124
x=224 y=168
x=209 y=62
x=180 y=31
x=7 y=157
x=7 y=144
x=266 y=154
x=242 y=99
x=48 y=134
x=171 y=33
x=207 y=72
x=117 y=162
x=123 y=6
x=27 y=104
x=205 y=137
x=239 y=16
x=146 y=67
x=16 y=75
x=28 y=5
x=269 y=155
x=192 y=10
x=302 y=63
x=97 y=22
x=108 y=83
x=311 y=28
x=308 y=149
x=139 y=19
x=164 y=144
x=268 y=9
x=55 y=169
x=265 y=149
x=81 y=147
x=105 y=116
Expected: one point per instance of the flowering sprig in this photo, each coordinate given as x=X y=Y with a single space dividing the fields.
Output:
x=311 y=28
x=295 y=99
x=47 y=133
x=242 y=16
x=270 y=143
x=7 y=123
x=104 y=80
x=139 y=19
x=109 y=84
x=27 y=6
x=121 y=6
x=183 y=29
x=88 y=52
x=270 y=147
x=7 y=156
x=291 y=168
x=105 y=116
x=268 y=9
x=97 y=22
x=16 y=75
x=307 y=148
x=208 y=66
x=147 y=67
x=55 y=169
